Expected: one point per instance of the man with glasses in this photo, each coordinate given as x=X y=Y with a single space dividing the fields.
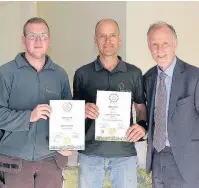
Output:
x=172 y=93
x=27 y=84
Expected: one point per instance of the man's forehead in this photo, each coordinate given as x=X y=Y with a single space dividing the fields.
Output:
x=37 y=26
x=107 y=24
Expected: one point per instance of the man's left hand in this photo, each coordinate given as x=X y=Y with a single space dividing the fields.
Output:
x=135 y=133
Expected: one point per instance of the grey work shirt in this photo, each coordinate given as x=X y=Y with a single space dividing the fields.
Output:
x=92 y=77
x=22 y=88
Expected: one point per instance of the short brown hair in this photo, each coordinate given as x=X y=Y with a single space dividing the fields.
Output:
x=35 y=20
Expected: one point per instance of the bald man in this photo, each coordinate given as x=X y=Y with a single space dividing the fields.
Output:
x=109 y=73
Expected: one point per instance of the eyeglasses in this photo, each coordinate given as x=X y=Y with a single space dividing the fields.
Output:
x=33 y=36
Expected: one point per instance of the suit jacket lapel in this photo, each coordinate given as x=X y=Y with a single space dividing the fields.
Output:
x=153 y=81
x=177 y=83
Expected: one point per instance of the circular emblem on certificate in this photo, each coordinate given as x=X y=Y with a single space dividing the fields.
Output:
x=113 y=97
x=67 y=106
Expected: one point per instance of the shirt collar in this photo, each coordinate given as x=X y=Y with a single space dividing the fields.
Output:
x=169 y=70
x=121 y=66
x=23 y=62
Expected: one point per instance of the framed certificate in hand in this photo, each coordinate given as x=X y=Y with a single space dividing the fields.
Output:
x=67 y=125
x=114 y=115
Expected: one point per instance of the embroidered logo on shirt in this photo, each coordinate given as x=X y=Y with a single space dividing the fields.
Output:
x=122 y=87
x=50 y=90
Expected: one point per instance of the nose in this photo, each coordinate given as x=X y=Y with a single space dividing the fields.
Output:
x=37 y=39
x=160 y=49
x=107 y=39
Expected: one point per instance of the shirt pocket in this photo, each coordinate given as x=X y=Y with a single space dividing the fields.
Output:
x=185 y=100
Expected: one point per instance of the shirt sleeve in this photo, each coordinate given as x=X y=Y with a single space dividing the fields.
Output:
x=139 y=96
x=196 y=96
x=77 y=86
x=10 y=119
x=66 y=93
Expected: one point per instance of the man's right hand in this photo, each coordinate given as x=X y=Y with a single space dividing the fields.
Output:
x=91 y=111
x=42 y=111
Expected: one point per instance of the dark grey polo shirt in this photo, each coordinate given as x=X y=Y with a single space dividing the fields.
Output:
x=92 y=77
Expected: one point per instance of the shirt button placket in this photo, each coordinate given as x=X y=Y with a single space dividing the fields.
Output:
x=110 y=81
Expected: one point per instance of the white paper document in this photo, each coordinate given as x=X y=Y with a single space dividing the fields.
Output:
x=114 y=115
x=67 y=125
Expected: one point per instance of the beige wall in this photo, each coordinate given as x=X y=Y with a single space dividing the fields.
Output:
x=9 y=32
x=12 y=18
x=72 y=26
x=182 y=15
x=72 y=29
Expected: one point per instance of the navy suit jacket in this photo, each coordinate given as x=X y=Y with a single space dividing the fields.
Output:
x=183 y=118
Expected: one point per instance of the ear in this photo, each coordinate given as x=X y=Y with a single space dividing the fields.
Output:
x=95 y=39
x=148 y=42
x=120 y=39
x=175 y=43
x=23 y=38
x=49 y=40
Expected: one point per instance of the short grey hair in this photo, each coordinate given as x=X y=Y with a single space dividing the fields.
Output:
x=160 y=24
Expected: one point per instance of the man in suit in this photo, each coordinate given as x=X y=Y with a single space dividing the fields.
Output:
x=172 y=92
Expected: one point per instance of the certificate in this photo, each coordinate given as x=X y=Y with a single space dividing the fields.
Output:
x=114 y=115
x=67 y=125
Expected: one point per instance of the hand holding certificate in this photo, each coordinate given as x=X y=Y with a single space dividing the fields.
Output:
x=114 y=115
x=67 y=125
